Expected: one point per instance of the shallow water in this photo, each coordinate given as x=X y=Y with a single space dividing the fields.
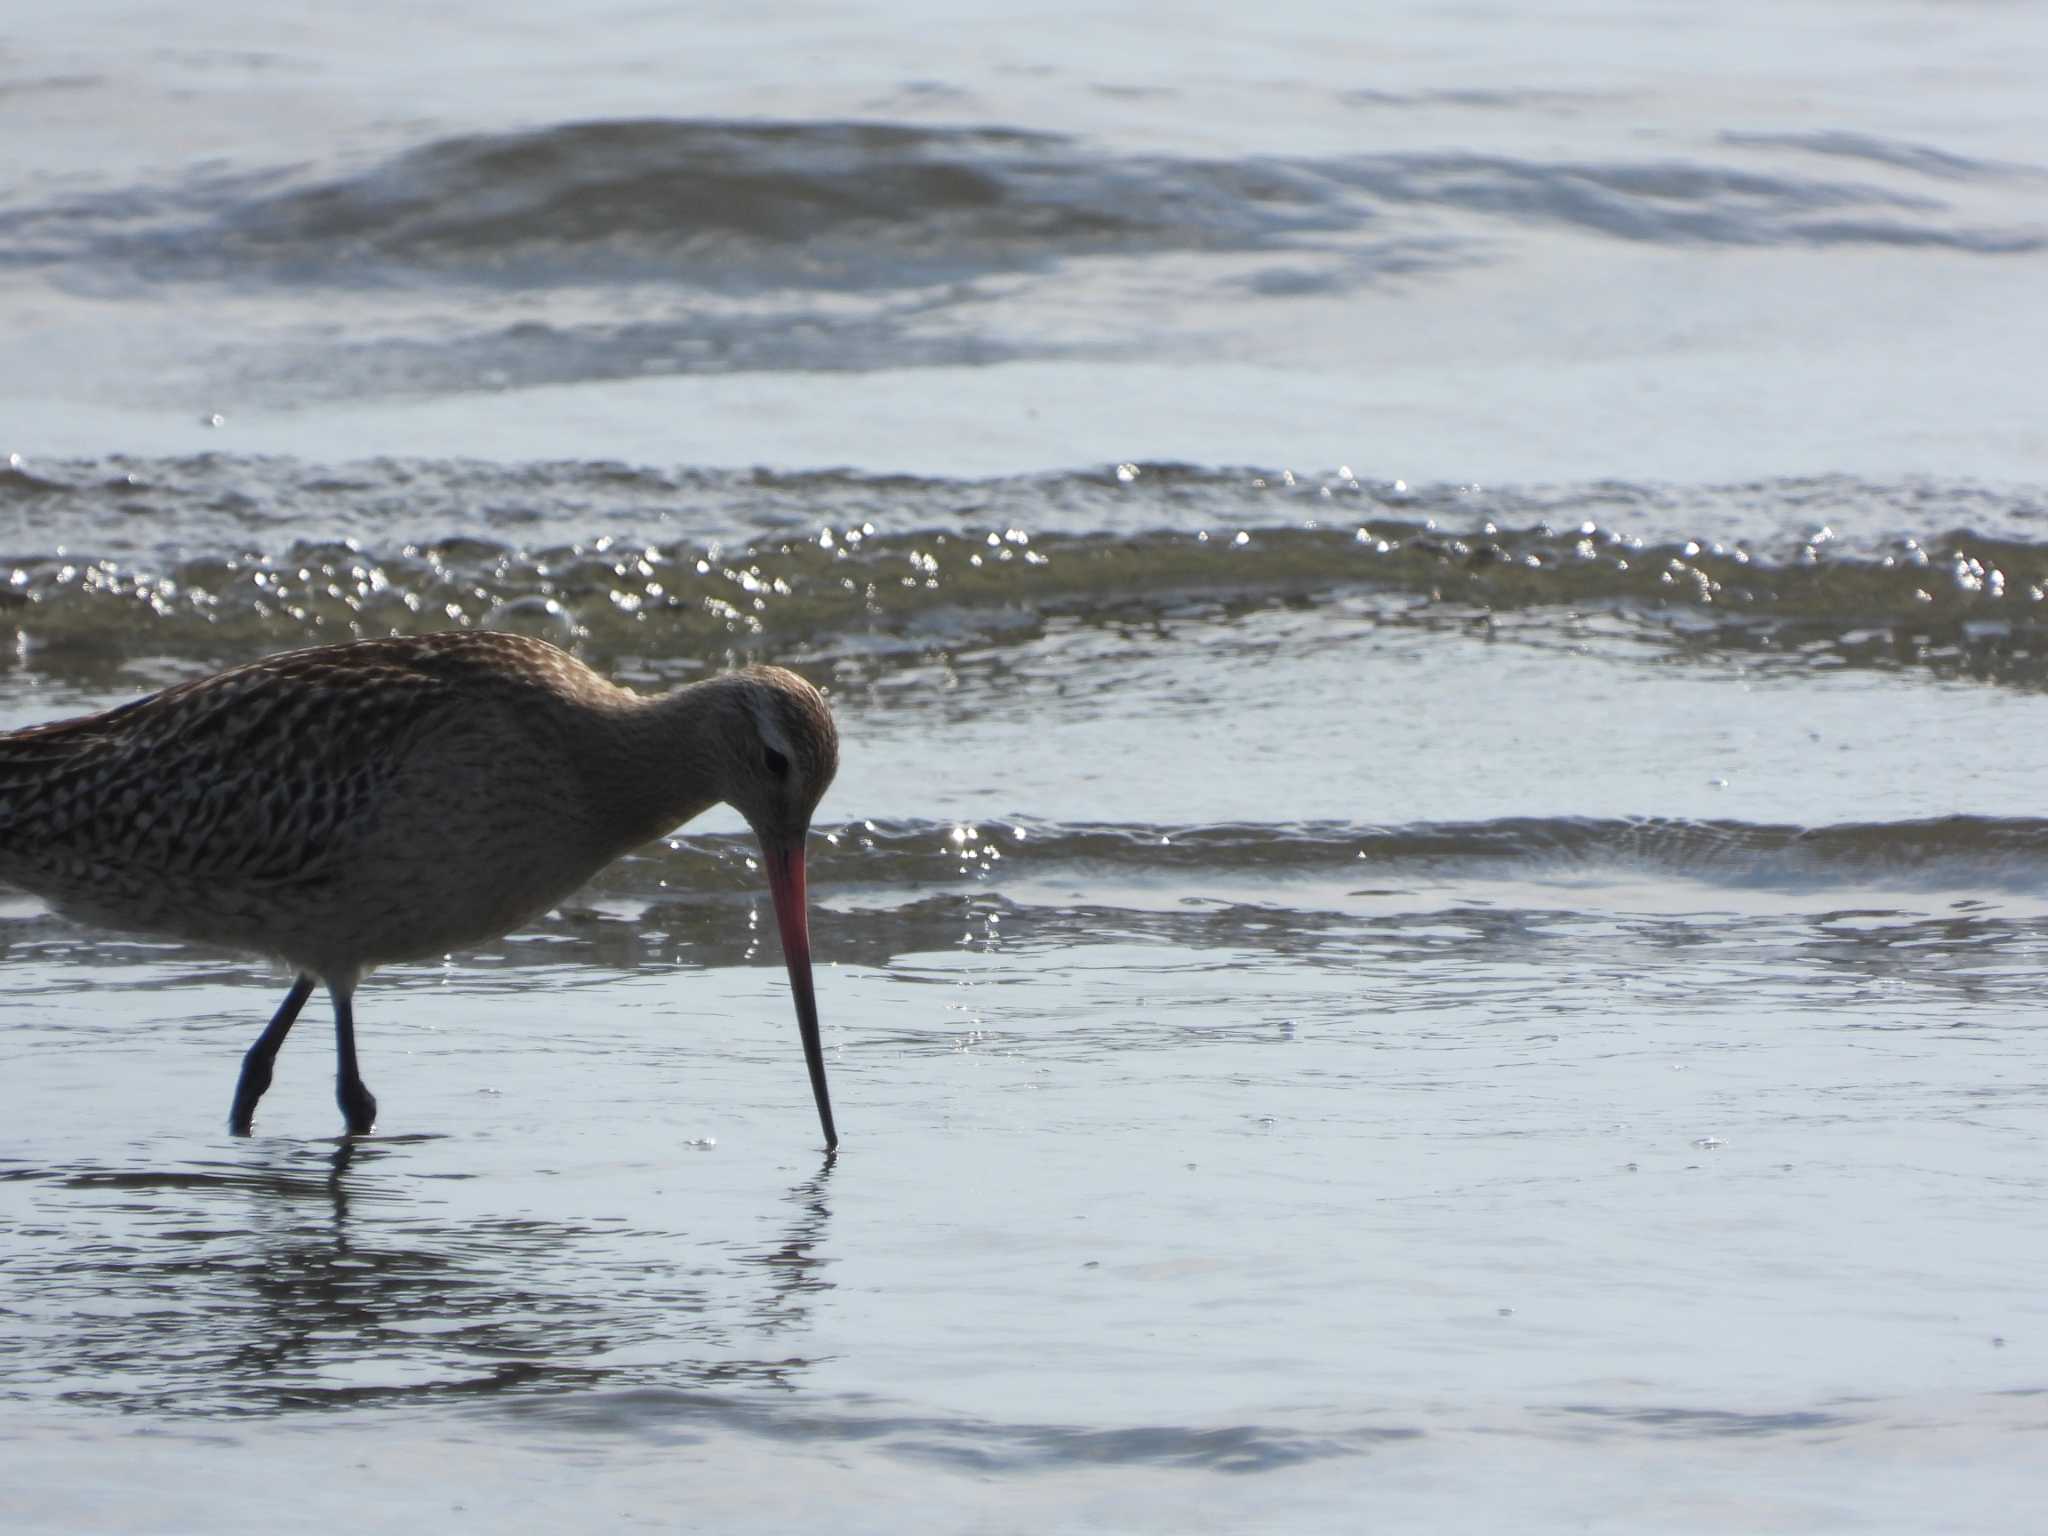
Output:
x=1487 y=978
x=1130 y=1196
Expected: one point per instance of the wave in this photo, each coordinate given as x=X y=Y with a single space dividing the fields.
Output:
x=129 y=504
x=877 y=205
x=1893 y=894
x=961 y=1443
x=195 y=558
x=1951 y=853
x=1899 y=154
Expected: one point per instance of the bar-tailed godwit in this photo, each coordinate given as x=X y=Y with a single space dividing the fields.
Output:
x=352 y=805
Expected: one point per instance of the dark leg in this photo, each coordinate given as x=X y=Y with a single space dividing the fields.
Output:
x=357 y=1105
x=256 y=1064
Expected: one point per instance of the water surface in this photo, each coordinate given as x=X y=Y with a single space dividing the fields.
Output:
x=1435 y=904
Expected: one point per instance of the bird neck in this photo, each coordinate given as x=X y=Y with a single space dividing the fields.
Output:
x=661 y=760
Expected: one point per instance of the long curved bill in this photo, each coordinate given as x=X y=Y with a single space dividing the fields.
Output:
x=792 y=916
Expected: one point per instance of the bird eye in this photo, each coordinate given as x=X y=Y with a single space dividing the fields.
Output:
x=778 y=765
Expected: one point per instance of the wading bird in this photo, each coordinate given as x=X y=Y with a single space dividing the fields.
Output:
x=352 y=805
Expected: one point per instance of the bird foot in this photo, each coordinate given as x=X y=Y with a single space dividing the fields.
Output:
x=358 y=1107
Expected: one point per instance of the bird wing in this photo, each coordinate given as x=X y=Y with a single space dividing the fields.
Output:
x=256 y=774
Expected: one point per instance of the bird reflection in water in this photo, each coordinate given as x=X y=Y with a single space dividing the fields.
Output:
x=282 y=1283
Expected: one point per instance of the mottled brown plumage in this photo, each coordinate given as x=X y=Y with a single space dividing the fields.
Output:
x=350 y=805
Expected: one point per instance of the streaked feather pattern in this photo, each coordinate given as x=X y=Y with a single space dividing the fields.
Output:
x=357 y=803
